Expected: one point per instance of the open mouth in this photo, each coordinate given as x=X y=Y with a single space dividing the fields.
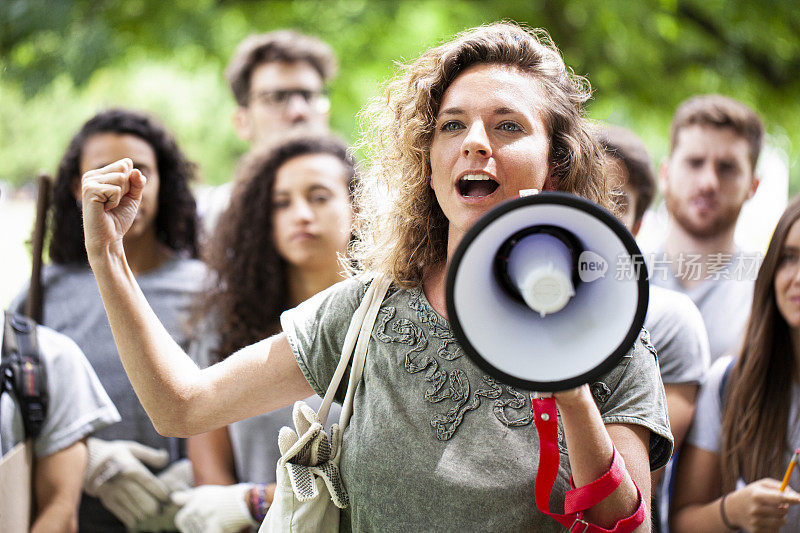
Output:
x=476 y=186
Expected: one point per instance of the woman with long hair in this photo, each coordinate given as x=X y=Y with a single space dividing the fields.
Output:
x=277 y=244
x=433 y=443
x=121 y=489
x=746 y=425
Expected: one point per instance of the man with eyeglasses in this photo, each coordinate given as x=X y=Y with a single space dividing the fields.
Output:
x=278 y=80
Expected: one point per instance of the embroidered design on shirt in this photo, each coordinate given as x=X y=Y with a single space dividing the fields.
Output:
x=450 y=389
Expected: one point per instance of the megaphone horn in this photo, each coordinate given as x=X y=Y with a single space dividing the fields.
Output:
x=547 y=292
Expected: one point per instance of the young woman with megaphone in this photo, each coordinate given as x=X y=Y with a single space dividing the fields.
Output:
x=433 y=443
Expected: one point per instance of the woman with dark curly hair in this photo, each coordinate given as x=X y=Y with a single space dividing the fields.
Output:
x=160 y=249
x=276 y=245
x=433 y=443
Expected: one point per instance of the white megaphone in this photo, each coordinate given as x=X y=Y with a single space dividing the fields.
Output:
x=547 y=292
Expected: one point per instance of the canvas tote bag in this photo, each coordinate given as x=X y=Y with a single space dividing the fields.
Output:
x=309 y=492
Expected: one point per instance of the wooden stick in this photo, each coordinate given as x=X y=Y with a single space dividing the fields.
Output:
x=33 y=305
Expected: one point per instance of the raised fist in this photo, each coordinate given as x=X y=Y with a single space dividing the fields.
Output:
x=110 y=196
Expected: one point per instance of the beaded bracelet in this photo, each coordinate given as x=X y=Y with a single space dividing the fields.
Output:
x=257 y=502
x=723 y=515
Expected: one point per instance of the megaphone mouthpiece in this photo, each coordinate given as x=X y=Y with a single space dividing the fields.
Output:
x=538 y=265
x=546 y=289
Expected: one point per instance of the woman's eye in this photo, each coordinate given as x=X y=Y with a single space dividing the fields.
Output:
x=451 y=125
x=788 y=259
x=509 y=126
x=280 y=204
x=319 y=198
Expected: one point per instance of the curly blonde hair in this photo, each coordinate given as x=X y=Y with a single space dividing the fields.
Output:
x=401 y=227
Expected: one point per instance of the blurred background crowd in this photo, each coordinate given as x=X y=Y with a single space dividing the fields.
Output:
x=61 y=61
x=209 y=113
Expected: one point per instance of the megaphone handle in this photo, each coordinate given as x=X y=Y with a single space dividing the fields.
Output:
x=578 y=499
x=545 y=416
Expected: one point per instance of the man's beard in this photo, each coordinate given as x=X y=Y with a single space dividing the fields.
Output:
x=720 y=222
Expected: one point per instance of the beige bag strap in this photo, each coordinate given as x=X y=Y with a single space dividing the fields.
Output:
x=357 y=337
x=360 y=354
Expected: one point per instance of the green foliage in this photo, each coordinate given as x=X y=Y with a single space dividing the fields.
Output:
x=61 y=60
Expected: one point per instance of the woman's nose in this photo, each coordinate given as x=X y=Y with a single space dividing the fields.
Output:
x=476 y=142
x=302 y=211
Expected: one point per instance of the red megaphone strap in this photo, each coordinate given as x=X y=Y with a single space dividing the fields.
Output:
x=579 y=499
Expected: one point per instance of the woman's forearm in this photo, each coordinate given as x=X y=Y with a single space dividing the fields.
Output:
x=700 y=517
x=758 y=506
x=591 y=447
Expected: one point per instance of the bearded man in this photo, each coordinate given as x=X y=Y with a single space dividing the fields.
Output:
x=709 y=174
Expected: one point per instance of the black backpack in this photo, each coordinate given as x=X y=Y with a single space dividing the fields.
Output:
x=22 y=372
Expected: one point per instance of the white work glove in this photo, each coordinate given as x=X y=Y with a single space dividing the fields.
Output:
x=176 y=477
x=308 y=454
x=213 y=509
x=117 y=475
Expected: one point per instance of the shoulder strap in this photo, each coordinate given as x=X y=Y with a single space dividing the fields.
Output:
x=23 y=372
x=361 y=321
x=360 y=355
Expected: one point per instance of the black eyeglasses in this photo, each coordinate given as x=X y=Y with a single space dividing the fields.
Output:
x=281 y=98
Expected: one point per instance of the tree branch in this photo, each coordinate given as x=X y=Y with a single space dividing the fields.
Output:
x=776 y=73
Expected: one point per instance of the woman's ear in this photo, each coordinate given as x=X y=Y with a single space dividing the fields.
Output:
x=242 y=124
x=550 y=183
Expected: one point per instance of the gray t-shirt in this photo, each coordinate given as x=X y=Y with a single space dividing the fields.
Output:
x=434 y=443
x=254 y=440
x=724 y=300
x=677 y=331
x=72 y=306
x=78 y=406
x=679 y=336
x=706 y=430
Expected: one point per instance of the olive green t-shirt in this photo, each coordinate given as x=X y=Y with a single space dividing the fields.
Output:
x=434 y=444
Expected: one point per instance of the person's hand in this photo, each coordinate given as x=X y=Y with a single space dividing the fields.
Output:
x=163 y=521
x=760 y=506
x=110 y=197
x=117 y=475
x=177 y=477
x=213 y=509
